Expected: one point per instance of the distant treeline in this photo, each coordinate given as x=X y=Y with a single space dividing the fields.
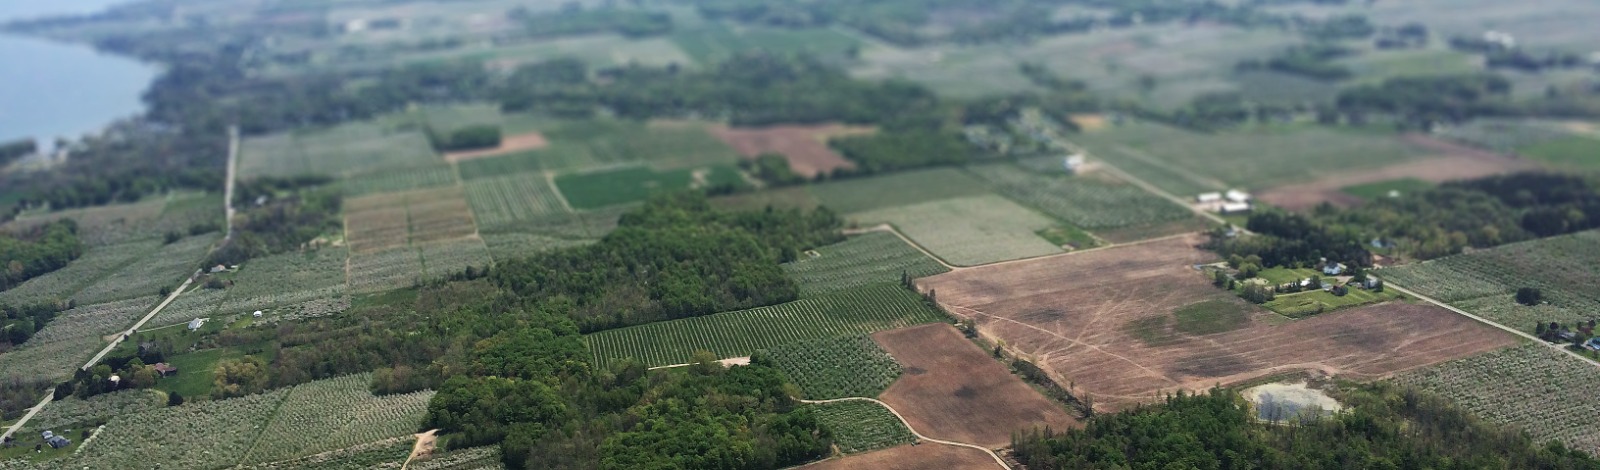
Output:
x=1382 y=427
x=38 y=250
x=13 y=150
x=1476 y=213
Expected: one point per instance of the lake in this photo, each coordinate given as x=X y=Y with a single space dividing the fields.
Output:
x=50 y=89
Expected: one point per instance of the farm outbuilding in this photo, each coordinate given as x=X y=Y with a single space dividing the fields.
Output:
x=165 y=369
x=1209 y=197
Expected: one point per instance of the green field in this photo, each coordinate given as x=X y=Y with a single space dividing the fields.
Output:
x=1280 y=276
x=1483 y=281
x=346 y=150
x=512 y=198
x=1382 y=189
x=824 y=369
x=897 y=189
x=95 y=320
x=1187 y=163
x=715 y=42
x=1210 y=317
x=588 y=145
x=445 y=119
x=1305 y=304
x=871 y=258
x=442 y=259
x=1531 y=387
x=95 y=264
x=1093 y=203
x=860 y=426
x=388 y=181
x=513 y=245
x=270 y=282
x=741 y=333
x=969 y=231
x=48 y=361
x=634 y=184
x=1577 y=152
x=165 y=267
x=332 y=414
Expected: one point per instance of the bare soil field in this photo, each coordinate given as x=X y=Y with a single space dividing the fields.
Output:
x=953 y=390
x=1453 y=162
x=805 y=146
x=913 y=457
x=381 y=221
x=1113 y=325
x=515 y=143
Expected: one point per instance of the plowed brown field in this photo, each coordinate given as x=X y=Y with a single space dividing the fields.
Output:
x=954 y=391
x=913 y=457
x=806 y=147
x=1102 y=322
x=1453 y=162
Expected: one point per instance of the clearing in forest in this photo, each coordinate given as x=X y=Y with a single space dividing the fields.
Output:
x=952 y=390
x=1121 y=326
x=805 y=146
x=1453 y=162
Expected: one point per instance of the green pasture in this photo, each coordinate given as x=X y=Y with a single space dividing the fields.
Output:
x=717 y=41
x=636 y=183
x=902 y=188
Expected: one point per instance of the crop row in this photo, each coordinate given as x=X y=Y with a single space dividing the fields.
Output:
x=741 y=333
x=71 y=411
x=61 y=284
x=512 y=198
x=475 y=458
x=852 y=366
x=431 y=176
x=870 y=258
x=389 y=454
x=1088 y=202
x=47 y=361
x=970 y=231
x=1533 y=387
x=162 y=268
x=507 y=246
x=202 y=435
x=95 y=320
x=336 y=413
x=443 y=259
x=860 y=426
x=384 y=270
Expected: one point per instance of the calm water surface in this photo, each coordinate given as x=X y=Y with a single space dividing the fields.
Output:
x=50 y=89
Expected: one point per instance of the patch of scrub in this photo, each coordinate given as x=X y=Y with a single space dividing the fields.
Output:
x=1284 y=401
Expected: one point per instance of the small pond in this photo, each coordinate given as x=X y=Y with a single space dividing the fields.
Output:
x=1285 y=401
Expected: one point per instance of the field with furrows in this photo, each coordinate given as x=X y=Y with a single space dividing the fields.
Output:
x=1091 y=202
x=382 y=455
x=390 y=269
x=513 y=198
x=734 y=334
x=200 y=435
x=95 y=320
x=1545 y=392
x=95 y=264
x=48 y=361
x=869 y=258
x=440 y=260
x=851 y=366
x=193 y=303
x=335 y=413
x=165 y=267
x=476 y=458
x=74 y=411
x=860 y=426
x=431 y=176
x=286 y=279
x=513 y=245
x=969 y=231
x=1560 y=267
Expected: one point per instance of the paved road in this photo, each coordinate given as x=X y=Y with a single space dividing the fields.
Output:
x=48 y=395
x=914 y=432
x=227 y=187
x=1558 y=347
x=227 y=203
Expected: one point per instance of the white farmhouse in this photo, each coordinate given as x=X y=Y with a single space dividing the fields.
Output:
x=1235 y=195
x=1207 y=198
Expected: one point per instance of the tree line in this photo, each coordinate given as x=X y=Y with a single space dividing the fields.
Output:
x=1384 y=426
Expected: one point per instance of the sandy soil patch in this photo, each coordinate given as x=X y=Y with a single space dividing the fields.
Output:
x=1102 y=323
x=913 y=457
x=1090 y=122
x=511 y=144
x=1453 y=162
x=805 y=146
x=953 y=390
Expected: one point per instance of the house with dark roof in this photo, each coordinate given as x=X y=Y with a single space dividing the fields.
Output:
x=165 y=369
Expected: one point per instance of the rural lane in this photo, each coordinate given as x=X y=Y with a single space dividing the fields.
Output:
x=914 y=432
x=1489 y=322
x=227 y=204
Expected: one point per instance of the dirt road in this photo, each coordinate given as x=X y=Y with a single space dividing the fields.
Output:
x=914 y=432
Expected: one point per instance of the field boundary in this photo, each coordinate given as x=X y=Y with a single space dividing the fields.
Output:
x=1519 y=333
x=907 y=424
